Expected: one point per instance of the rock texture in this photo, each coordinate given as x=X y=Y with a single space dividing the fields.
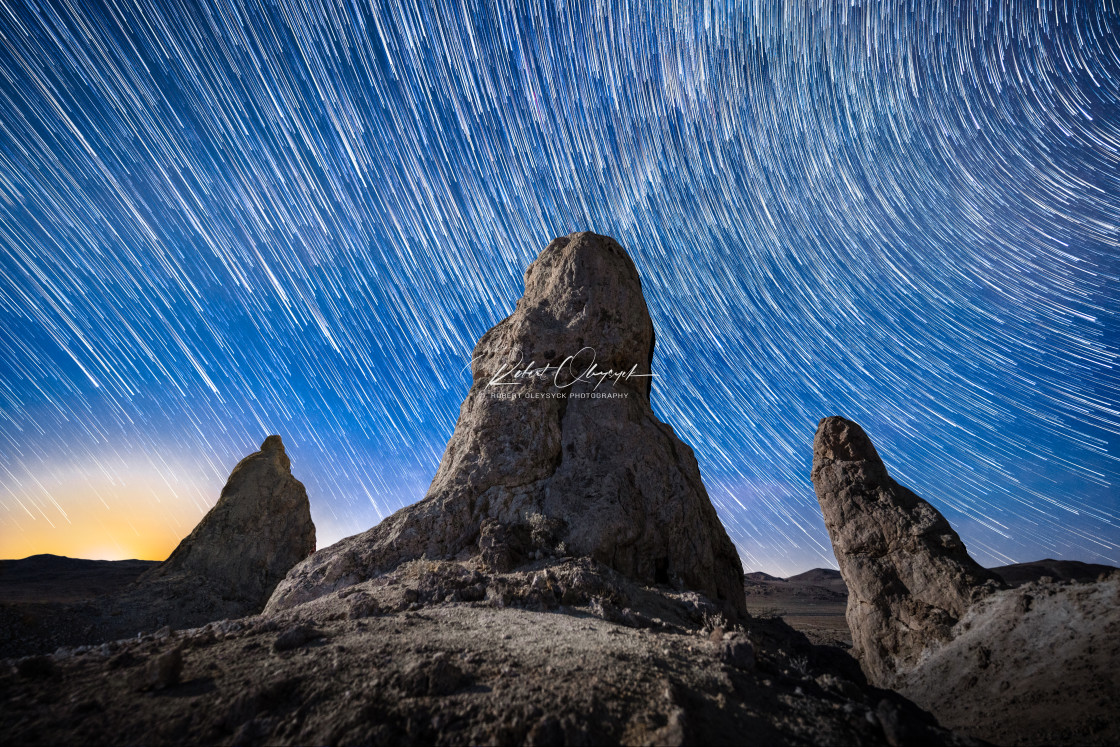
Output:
x=227 y=567
x=1032 y=665
x=259 y=528
x=561 y=651
x=547 y=464
x=908 y=574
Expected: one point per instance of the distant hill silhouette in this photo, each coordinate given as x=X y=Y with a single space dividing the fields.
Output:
x=1059 y=570
x=56 y=578
x=817 y=576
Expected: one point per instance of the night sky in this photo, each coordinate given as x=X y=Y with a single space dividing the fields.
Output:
x=223 y=220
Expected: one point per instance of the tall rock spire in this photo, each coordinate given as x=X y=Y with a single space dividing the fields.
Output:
x=259 y=528
x=908 y=574
x=557 y=443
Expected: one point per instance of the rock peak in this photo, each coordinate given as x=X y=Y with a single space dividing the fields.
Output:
x=259 y=528
x=840 y=438
x=582 y=293
x=909 y=576
x=557 y=451
x=273 y=447
x=273 y=443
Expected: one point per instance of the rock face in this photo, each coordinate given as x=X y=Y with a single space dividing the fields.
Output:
x=1033 y=665
x=549 y=457
x=908 y=574
x=259 y=528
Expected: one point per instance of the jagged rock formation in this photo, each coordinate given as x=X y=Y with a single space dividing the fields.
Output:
x=548 y=463
x=908 y=574
x=259 y=528
x=1033 y=665
x=227 y=567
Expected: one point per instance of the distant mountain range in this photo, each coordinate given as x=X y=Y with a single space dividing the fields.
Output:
x=1013 y=575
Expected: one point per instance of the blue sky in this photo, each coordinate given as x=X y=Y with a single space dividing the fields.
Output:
x=222 y=222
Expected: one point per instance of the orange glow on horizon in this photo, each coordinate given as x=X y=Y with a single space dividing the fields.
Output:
x=116 y=512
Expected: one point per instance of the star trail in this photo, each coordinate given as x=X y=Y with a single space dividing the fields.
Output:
x=221 y=220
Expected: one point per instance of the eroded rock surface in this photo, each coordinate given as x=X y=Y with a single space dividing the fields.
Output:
x=548 y=463
x=560 y=651
x=259 y=528
x=909 y=576
x=1032 y=665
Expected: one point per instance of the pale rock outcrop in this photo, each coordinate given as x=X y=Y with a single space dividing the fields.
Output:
x=546 y=464
x=1033 y=665
x=908 y=574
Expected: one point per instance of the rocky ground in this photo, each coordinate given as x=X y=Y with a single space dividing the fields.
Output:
x=1036 y=665
x=47 y=601
x=992 y=653
x=814 y=602
x=30 y=627
x=798 y=633
x=562 y=652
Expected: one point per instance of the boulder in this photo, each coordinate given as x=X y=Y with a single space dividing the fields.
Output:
x=909 y=576
x=557 y=450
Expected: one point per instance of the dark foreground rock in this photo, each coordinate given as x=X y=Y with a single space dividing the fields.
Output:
x=1032 y=665
x=563 y=651
x=227 y=567
x=547 y=461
